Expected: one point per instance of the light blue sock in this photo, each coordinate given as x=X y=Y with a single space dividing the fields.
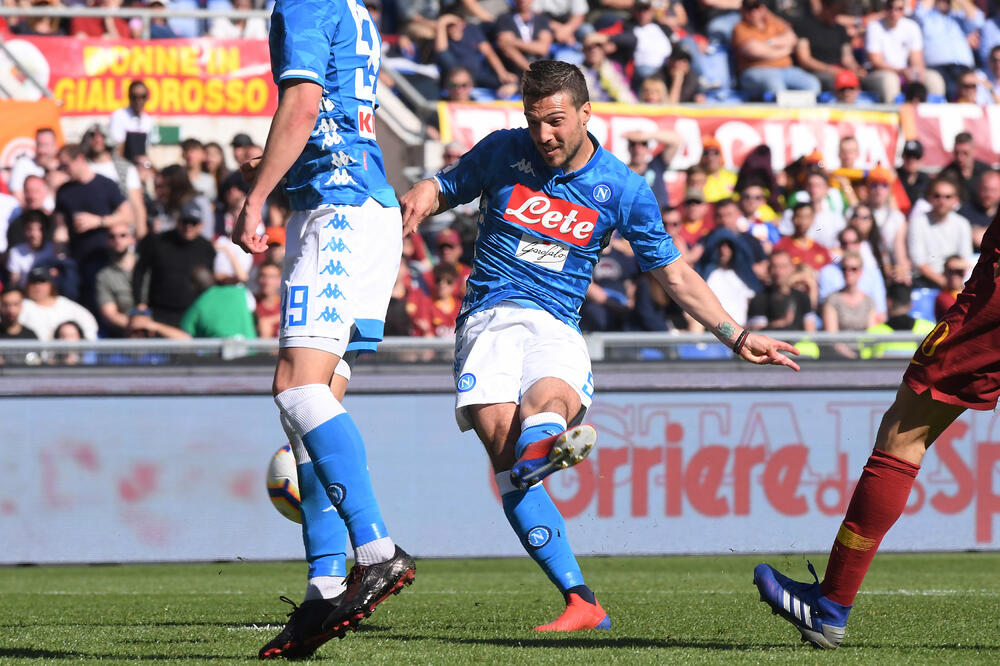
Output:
x=541 y=530
x=337 y=451
x=536 y=427
x=323 y=530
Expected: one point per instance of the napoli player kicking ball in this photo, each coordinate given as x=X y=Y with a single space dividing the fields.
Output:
x=956 y=367
x=551 y=197
x=343 y=251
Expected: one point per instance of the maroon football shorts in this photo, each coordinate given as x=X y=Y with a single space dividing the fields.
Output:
x=959 y=361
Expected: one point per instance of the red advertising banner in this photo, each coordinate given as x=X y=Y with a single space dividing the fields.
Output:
x=790 y=133
x=937 y=124
x=185 y=76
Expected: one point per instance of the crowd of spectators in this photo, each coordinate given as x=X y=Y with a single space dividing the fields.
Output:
x=94 y=244
x=725 y=51
x=807 y=249
x=854 y=51
x=97 y=241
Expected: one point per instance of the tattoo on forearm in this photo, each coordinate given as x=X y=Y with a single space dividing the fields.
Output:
x=726 y=330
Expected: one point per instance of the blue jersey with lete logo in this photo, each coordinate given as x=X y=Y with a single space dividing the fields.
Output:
x=541 y=230
x=333 y=43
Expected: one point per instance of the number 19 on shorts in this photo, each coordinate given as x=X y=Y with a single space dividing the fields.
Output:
x=296 y=306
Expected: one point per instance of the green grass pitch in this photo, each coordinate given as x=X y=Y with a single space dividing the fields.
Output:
x=927 y=608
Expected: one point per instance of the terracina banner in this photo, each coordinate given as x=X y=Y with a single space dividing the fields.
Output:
x=937 y=124
x=790 y=133
x=219 y=77
x=18 y=123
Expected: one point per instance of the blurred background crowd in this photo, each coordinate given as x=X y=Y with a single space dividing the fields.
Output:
x=98 y=241
x=650 y=51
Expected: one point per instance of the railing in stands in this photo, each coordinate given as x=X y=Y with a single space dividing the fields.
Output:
x=609 y=347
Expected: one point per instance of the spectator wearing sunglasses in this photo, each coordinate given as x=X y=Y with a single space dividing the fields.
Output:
x=719 y=181
x=938 y=234
x=161 y=281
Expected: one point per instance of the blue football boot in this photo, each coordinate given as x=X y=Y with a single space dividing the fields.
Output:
x=541 y=458
x=821 y=621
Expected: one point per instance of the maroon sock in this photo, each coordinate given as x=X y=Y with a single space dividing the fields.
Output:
x=878 y=501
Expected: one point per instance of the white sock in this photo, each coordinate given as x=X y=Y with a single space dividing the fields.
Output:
x=543 y=417
x=325 y=587
x=373 y=552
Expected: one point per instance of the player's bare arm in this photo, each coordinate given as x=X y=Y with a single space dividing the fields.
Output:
x=421 y=201
x=293 y=122
x=686 y=287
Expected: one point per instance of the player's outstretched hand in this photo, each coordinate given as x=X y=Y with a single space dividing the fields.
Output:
x=418 y=203
x=763 y=350
x=245 y=231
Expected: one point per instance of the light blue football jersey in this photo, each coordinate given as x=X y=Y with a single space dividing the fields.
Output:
x=333 y=43
x=541 y=230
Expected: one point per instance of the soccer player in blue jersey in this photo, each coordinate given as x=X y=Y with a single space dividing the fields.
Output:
x=551 y=197
x=342 y=255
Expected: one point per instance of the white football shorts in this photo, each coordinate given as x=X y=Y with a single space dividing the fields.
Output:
x=501 y=351
x=340 y=265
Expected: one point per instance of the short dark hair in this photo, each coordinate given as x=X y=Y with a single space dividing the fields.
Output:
x=728 y=201
x=548 y=77
x=188 y=144
x=444 y=270
x=31 y=216
x=801 y=206
x=847 y=230
x=135 y=84
x=72 y=151
x=35 y=176
x=457 y=69
x=12 y=289
x=963 y=137
x=72 y=323
x=915 y=91
x=898 y=293
x=953 y=258
x=943 y=179
x=44 y=130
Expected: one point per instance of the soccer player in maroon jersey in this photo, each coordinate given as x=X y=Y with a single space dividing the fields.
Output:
x=957 y=367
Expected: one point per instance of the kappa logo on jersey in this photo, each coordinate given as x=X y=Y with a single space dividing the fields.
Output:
x=334 y=268
x=366 y=122
x=338 y=223
x=340 y=159
x=334 y=292
x=337 y=245
x=330 y=315
x=538 y=536
x=341 y=177
x=524 y=166
x=555 y=218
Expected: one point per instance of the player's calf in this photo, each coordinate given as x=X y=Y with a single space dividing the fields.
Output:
x=541 y=458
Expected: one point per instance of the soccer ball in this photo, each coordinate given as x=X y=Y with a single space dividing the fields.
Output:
x=283 y=484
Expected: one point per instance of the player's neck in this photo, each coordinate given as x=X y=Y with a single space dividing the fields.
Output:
x=582 y=156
